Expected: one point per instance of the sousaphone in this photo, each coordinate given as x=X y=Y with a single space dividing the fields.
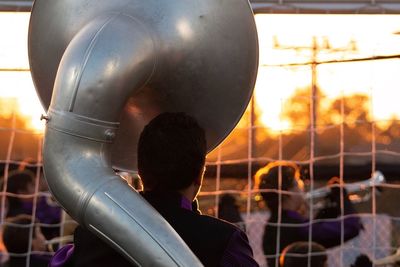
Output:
x=103 y=69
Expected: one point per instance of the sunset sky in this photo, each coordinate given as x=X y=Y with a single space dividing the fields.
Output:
x=349 y=36
x=373 y=35
x=14 y=55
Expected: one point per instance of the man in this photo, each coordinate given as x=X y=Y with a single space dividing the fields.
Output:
x=171 y=162
x=283 y=193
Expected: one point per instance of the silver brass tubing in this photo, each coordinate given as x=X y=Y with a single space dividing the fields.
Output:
x=90 y=191
x=377 y=179
x=103 y=69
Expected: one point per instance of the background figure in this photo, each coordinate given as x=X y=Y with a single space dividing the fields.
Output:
x=16 y=237
x=362 y=261
x=228 y=210
x=22 y=186
x=286 y=203
x=297 y=254
x=331 y=203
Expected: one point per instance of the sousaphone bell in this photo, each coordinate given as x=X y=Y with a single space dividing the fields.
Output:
x=103 y=69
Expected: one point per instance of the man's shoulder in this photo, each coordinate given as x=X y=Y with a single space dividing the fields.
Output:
x=236 y=250
x=214 y=222
x=195 y=226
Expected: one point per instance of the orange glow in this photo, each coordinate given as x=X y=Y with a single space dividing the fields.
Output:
x=289 y=39
x=354 y=35
x=17 y=93
x=12 y=106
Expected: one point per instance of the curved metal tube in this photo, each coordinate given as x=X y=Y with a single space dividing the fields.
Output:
x=110 y=67
x=377 y=179
x=76 y=149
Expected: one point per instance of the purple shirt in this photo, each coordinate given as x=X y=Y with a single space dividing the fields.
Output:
x=44 y=212
x=325 y=230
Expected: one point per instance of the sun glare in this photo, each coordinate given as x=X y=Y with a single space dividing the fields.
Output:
x=16 y=83
x=288 y=39
x=284 y=39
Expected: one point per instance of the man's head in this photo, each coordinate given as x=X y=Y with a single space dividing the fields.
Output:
x=171 y=152
x=290 y=185
x=296 y=255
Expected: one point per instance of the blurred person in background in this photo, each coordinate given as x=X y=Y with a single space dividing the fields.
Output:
x=22 y=186
x=362 y=260
x=287 y=205
x=297 y=254
x=23 y=242
x=228 y=210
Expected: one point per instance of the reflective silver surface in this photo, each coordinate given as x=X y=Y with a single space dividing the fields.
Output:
x=376 y=179
x=205 y=53
x=104 y=69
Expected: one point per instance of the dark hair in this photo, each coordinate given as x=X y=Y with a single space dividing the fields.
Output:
x=228 y=209
x=268 y=178
x=362 y=260
x=171 y=152
x=296 y=255
x=17 y=182
x=16 y=233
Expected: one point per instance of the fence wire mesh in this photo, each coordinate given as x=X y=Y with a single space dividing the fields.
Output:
x=327 y=133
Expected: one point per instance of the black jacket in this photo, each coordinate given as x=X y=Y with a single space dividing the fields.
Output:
x=206 y=236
